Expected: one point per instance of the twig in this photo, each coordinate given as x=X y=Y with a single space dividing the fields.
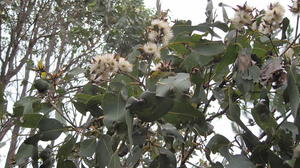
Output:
x=284 y=119
x=291 y=44
x=190 y=151
x=218 y=114
x=62 y=114
x=135 y=79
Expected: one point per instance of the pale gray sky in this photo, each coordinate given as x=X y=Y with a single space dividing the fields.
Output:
x=194 y=9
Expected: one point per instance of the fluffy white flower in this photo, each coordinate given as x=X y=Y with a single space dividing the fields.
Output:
x=167 y=37
x=103 y=66
x=155 y=22
x=272 y=18
x=295 y=8
x=153 y=35
x=243 y=16
x=152 y=49
x=124 y=65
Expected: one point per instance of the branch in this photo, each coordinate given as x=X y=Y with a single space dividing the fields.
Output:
x=218 y=114
x=190 y=151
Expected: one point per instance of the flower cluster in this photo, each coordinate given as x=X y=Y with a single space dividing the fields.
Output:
x=104 y=66
x=272 y=18
x=159 y=34
x=160 y=31
x=243 y=16
x=295 y=8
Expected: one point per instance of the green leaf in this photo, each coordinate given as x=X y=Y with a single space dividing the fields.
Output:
x=263 y=117
x=229 y=57
x=180 y=83
x=104 y=153
x=86 y=102
x=293 y=91
x=30 y=120
x=26 y=105
x=209 y=48
x=41 y=85
x=113 y=108
x=68 y=164
x=87 y=147
x=149 y=107
x=217 y=142
x=233 y=110
x=49 y=129
x=24 y=152
x=183 y=112
x=165 y=159
x=239 y=161
x=66 y=149
x=129 y=123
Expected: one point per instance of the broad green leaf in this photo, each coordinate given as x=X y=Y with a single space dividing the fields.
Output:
x=41 y=85
x=66 y=164
x=285 y=142
x=208 y=48
x=113 y=108
x=104 y=153
x=150 y=107
x=114 y=162
x=26 y=105
x=165 y=159
x=239 y=161
x=217 y=142
x=86 y=102
x=49 y=129
x=263 y=117
x=30 y=120
x=229 y=57
x=24 y=152
x=183 y=112
x=292 y=90
x=66 y=149
x=129 y=123
x=87 y=147
x=203 y=129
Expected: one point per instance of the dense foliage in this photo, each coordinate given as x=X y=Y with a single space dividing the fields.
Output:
x=149 y=96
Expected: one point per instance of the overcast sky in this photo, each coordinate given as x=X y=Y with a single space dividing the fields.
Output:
x=194 y=9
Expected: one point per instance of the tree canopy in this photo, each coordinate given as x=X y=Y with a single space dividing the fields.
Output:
x=111 y=84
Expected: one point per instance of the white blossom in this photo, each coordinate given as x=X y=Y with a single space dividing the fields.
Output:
x=150 y=48
x=295 y=8
x=272 y=18
x=243 y=16
x=103 y=66
x=124 y=65
x=153 y=36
